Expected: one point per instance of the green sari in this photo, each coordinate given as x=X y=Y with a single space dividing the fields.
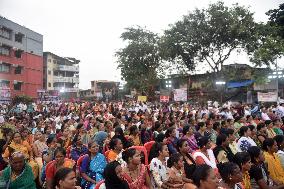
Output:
x=24 y=181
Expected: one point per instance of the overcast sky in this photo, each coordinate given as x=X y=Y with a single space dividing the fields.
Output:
x=89 y=30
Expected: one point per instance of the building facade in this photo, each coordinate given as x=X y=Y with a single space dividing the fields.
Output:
x=21 y=61
x=61 y=74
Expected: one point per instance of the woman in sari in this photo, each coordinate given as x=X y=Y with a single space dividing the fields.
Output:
x=92 y=167
x=17 y=144
x=135 y=173
x=275 y=169
x=19 y=174
x=59 y=162
x=188 y=134
x=205 y=155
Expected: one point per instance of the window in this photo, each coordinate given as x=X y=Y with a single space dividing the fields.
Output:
x=18 y=70
x=92 y=83
x=4 y=84
x=6 y=33
x=49 y=60
x=4 y=50
x=49 y=72
x=19 y=37
x=49 y=84
x=18 y=53
x=4 y=68
x=17 y=86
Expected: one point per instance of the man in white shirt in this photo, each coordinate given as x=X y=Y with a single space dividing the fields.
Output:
x=264 y=115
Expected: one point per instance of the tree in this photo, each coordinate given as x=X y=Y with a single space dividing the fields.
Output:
x=208 y=36
x=22 y=99
x=139 y=61
x=269 y=43
x=276 y=19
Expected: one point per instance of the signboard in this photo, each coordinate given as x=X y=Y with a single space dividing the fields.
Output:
x=267 y=97
x=142 y=98
x=164 y=98
x=180 y=94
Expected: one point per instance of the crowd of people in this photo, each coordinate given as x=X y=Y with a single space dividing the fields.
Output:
x=134 y=145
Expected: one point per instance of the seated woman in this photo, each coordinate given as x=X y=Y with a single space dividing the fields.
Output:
x=280 y=143
x=78 y=148
x=134 y=135
x=18 y=144
x=275 y=169
x=243 y=160
x=135 y=173
x=65 y=139
x=188 y=134
x=116 y=147
x=176 y=170
x=65 y=178
x=171 y=139
x=59 y=162
x=258 y=172
x=222 y=151
x=188 y=161
x=231 y=176
x=18 y=174
x=204 y=177
x=113 y=178
x=39 y=147
x=245 y=141
x=205 y=155
x=158 y=166
x=92 y=166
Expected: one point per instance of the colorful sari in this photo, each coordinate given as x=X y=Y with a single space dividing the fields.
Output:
x=94 y=168
x=140 y=182
x=23 y=181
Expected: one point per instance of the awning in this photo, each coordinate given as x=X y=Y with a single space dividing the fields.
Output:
x=237 y=84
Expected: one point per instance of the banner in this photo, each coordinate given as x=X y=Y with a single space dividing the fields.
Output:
x=267 y=97
x=164 y=98
x=180 y=94
x=142 y=98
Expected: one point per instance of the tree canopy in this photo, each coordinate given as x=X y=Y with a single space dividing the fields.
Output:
x=139 y=60
x=208 y=36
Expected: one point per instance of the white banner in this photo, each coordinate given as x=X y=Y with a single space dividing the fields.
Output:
x=180 y=94
x=267 y=97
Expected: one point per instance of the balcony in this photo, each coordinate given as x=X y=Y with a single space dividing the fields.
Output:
x=66 y=68
x=57 y=79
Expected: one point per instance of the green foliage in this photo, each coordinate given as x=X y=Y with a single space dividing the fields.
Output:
x=139 y=61
x=276 y=17
x=22 y=98
x=269 y=42
x=208 y=36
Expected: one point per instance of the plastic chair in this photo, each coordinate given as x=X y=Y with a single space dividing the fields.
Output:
x=99 y=184
x=148 y=146
x=142 y=149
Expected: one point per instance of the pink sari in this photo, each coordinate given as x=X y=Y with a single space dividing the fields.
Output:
x=140 y=182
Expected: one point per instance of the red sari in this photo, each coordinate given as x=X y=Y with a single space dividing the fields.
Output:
x=140 y=182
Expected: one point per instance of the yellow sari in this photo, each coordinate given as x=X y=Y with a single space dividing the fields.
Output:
x=274 y=167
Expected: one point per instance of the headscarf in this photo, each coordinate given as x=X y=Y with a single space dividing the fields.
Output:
x=111 y=178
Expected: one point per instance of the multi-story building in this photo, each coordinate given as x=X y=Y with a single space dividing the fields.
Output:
x=21 y=60
x=61 y=74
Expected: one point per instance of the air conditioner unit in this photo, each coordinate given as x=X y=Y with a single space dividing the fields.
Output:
x=1 y=62
x=15 y=65
x=15 y=48
x=15 y=82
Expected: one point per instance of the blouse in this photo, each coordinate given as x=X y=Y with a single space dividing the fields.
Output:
x=159 y=172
